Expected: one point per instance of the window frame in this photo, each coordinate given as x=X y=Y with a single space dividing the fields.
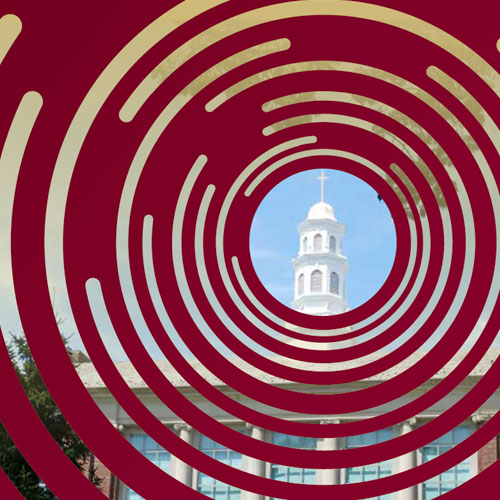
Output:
x=334 y=249
x=318 y=247
x=304 y=244
x=122 y=488
x=473 y=464
x=342 y=444
x=394 y=462
x=334 y=290
x=301 y=284
x=321 y=288
x=196 y=473
x=268 y=465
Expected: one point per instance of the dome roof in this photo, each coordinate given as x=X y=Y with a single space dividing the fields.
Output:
x=321 y=210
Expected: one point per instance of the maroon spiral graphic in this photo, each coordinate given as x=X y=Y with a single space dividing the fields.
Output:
x=135 y=189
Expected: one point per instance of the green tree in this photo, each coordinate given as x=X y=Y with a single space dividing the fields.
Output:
x=11 y=460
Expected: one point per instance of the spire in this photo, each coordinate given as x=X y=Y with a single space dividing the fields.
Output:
x=320 y=267
x=322 y=178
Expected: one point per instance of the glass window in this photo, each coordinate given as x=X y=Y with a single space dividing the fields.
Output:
x=210 y=486
x=334 y=283
x=436 y=486
x=371 y=471
x=293 y=474
x=300 y=287
x=318 y=242
x=333 y=244
x=153 y=452
x=316 y=279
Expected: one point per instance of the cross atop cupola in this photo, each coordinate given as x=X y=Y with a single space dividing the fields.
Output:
x=322 y=178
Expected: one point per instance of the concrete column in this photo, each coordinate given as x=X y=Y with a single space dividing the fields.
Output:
x=254 y=466
x=328 y=476
x=182 y=471
x=407 y=462
x=110 y=484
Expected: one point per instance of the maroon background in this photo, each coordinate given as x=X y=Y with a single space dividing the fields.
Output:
x=60 y=53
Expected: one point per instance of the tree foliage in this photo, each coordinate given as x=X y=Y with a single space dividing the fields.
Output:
x=12 y=462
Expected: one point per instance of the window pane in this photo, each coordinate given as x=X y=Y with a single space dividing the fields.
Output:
x=137 y=441
x=354 y=475
x=293 y=474
x=316 y=279
x=452 y=478
x=300 y=288
x=430 y=492
x=153 y=452
x=334 y=283
x=318 y=242
x=333 y=245
x=369 y=472
x=132 y=495
x=210 y=486
x=309 y=476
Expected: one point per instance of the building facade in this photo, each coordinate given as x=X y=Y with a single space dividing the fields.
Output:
x=320 y=271
x=431 y=489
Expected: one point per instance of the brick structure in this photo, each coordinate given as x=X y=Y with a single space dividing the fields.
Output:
x=109 y=483
x=488 y=454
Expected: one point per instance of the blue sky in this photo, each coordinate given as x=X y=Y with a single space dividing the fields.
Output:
x=370 y=240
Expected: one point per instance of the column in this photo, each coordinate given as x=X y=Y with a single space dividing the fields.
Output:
x=182 y=471
x=112 y=482
x=408 y=461
x=253 y=465
x=328 y=476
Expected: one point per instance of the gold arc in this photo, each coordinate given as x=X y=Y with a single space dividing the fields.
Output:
x=11 y=157
x=10 y=28
x=167 y=23
x=302 y=8
x=493 y=132
x=175 y=60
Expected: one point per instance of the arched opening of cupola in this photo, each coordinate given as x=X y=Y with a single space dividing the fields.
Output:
x=316 y=281
x=333 y=244
x=334 y=283
x=300 y=285
x=318 y=242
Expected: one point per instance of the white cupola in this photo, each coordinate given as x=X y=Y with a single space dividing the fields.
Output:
x=320 y=267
